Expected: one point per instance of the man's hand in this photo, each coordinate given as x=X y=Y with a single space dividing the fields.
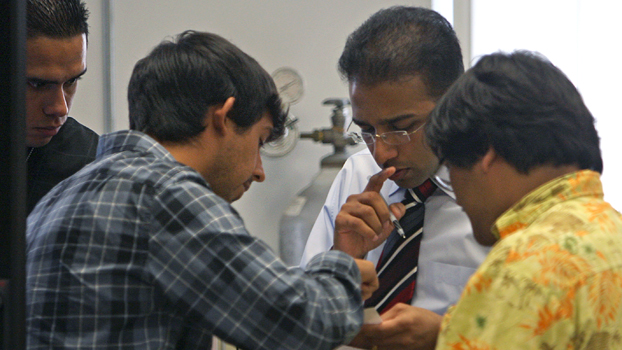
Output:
x=363 y=222
x=403 y=327
x=369 y=278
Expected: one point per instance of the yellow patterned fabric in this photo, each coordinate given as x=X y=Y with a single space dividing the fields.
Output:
x=552 y=281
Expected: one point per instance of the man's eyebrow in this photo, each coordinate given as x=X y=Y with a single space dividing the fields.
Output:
x=397 y=119
x=40 y=81
x=387 y=121
x=358 y=122
x=46 y=81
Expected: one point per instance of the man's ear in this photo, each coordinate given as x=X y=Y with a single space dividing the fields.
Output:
x=217 y=115
x=489 y=159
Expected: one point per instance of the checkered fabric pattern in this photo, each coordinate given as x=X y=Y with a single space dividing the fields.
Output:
x=136 y=252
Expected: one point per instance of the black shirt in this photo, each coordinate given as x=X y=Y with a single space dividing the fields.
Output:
x=71 y=149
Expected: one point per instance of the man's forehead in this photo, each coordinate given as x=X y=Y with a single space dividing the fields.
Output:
x=47 y=49
x=390 y=101
x=55 y=59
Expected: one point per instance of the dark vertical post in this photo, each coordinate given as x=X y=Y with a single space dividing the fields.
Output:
x=12 y=173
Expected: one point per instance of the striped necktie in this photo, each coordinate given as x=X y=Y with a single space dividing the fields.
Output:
x=397 y=266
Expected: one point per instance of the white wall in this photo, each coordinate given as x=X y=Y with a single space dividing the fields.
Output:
x=582 y=38
x=306 y=35
x=88 y=104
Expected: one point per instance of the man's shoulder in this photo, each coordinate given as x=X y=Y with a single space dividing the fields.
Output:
x=362 y=161
x=74 y=128
x=73 y=140
x=139 y=174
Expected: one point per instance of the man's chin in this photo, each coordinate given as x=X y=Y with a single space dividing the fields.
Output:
x=412 y=178
x=410 y=182
x=38 y=142
x=236 y=196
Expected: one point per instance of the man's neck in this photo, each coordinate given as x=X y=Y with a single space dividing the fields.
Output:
x=512 y=185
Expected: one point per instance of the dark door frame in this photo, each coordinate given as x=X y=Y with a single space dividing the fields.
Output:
x=12 y=174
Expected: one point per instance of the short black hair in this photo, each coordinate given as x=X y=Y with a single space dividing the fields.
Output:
x=56 y=18
x=402 y=42
x=523 y=107
x=172 y=88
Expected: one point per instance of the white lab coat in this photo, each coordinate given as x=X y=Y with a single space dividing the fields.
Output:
x=449 y=253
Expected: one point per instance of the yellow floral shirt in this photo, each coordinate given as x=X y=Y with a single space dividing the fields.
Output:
x=552 y=281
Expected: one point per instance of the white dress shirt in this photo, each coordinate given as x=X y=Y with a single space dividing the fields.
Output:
x=448 y=254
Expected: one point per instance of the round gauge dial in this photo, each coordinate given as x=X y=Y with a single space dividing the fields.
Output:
x=285 y=144
x=289 y=84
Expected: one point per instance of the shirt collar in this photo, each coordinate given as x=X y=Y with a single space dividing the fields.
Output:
x=131 y=140
x=584 y=183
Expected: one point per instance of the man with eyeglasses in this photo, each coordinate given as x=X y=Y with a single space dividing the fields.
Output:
x=398 y=64
x=390 y=138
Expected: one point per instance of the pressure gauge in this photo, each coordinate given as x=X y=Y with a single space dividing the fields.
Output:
x=289 y=84
x=285 y=144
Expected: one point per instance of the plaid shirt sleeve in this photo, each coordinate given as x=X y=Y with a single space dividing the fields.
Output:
x=208 y=266
x=151 y=258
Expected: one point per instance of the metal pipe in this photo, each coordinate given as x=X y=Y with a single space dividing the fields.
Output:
x=107 y=53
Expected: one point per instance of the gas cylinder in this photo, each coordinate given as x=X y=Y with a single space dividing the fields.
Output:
x=299 y=217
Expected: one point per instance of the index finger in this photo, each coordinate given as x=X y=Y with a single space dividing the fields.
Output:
x=379 y=334
x=377 y=180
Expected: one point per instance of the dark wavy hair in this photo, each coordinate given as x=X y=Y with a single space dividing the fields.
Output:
x=399 y=43
x=56 y=18
x=172 y=88
x=523 y=107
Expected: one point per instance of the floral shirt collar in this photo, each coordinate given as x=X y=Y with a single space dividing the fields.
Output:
x=522 y=214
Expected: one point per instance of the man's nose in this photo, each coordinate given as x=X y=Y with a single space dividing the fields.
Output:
x=258 y=173
x=58 y=103
x=382 y=151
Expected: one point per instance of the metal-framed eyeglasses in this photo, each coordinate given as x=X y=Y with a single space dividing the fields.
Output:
x=390 y=137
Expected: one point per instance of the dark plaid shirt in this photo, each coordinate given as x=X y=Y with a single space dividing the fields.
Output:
x=136 y=252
